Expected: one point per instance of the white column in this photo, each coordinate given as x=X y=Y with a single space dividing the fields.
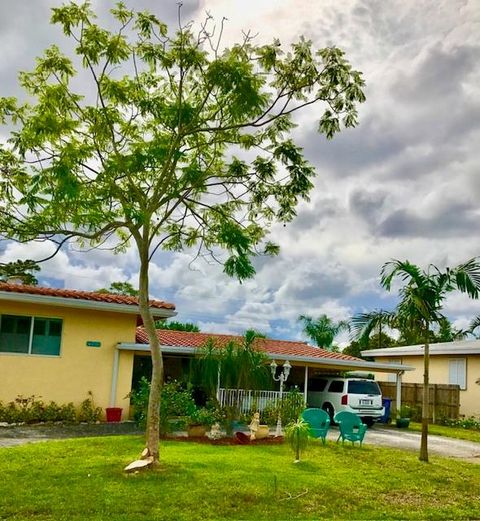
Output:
x=113 y=389
x=305 y=385
x=218 y=384
x=399 y=391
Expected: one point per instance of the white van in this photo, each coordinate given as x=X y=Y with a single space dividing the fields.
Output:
x=358 y=395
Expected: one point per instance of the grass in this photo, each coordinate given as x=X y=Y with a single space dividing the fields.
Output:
x=451 y=432
x=82 y=479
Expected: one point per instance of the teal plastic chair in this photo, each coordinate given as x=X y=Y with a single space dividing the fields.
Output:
x=318 y=421
x=351 y=427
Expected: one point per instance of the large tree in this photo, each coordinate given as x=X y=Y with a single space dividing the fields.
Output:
x=165 y=140
x=322 y=330
x=422 y=295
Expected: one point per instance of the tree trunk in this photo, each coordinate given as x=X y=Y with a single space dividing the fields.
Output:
x=425 y=400
x=152 y=435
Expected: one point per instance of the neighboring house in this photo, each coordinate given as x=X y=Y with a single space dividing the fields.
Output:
x=450 y=363
x=59 y=344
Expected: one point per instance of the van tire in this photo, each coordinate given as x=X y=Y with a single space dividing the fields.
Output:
x=369 y=422
x=328 y=408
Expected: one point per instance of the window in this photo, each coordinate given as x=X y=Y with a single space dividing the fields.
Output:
x=317 y=384
x=30 y=335
x=457 y=372
x=363 y=387
x=336 y=386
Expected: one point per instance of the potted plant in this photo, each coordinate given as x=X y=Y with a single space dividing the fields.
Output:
x=403 y=417
x=199 y=421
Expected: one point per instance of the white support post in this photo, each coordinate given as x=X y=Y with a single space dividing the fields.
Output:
x=218 y=384
x=113 y=389
x=399 y=391
x=305 y=385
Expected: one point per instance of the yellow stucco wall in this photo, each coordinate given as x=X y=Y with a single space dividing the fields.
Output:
x=78 y=369
x=469 y=398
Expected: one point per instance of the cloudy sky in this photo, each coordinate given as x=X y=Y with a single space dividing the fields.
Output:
x=404 y=184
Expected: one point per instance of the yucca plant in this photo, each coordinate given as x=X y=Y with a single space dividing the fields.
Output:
x=297 y=434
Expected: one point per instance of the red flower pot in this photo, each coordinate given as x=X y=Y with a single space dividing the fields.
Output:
x=114 y=414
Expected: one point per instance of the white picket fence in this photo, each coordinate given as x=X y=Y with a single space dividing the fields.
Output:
x=247 y=400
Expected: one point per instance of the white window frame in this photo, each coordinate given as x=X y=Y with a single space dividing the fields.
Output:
x=463 y=386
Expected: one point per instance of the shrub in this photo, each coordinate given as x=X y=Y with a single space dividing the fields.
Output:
x=32 y=409
x=88 y=411
x=175 y=401
x=462 y=423
x=290 y=408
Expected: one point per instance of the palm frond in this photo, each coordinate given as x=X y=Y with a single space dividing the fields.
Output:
x=363 y=324
x=405 y=270
x=467 y=277
x=474 y=324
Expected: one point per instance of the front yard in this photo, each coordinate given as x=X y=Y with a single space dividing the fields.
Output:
x=83 y=479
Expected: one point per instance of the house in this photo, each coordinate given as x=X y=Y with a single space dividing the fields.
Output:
x=450 y=363
x=307 y=361
x=59 y=344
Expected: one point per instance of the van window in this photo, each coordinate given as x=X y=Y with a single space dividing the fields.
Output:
x=318 y=384
x=363 y=387
x=336 y=386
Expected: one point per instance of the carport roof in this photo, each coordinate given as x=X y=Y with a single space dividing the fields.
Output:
x=300 y=353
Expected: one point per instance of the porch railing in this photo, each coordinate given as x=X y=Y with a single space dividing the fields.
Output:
x=247 y=400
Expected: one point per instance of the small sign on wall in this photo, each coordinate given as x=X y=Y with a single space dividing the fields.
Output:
x=93 y=343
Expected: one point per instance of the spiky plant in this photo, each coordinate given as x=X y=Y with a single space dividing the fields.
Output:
x=297 y=434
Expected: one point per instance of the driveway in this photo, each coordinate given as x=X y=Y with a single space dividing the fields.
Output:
x=400 y=439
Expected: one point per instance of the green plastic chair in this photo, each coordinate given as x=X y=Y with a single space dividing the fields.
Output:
x=351 y=427
x=319 y=422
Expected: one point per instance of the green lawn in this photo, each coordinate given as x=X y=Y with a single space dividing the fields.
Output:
x=451 y=432
x=82 y=479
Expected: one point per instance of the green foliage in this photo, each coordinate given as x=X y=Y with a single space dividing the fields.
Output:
x=297 y=434
x=471 y=423
x=120 y=288
x=21 y=269
x=202 y=416
x=290 y=408
x=177 y=326
x=405 y=412
x=31 y=409
x=88 y=411
x=149 y=156
x=176 y=401
x=241 y=365
x=323 y=330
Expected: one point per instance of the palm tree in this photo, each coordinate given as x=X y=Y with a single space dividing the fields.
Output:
x=421 y=300
x=323 y=330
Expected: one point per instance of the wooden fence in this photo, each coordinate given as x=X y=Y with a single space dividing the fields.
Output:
x=444 y=399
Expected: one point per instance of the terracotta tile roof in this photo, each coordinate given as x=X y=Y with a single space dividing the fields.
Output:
x=92 y=296
x=273 y=347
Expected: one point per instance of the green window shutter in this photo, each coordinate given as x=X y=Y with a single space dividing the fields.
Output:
x=14 y=334
x=47 y=335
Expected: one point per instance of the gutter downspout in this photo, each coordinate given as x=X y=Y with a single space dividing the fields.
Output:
x=113 y=389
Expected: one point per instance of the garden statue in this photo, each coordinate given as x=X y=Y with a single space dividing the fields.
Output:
x=254 y=424
x=215 y=432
